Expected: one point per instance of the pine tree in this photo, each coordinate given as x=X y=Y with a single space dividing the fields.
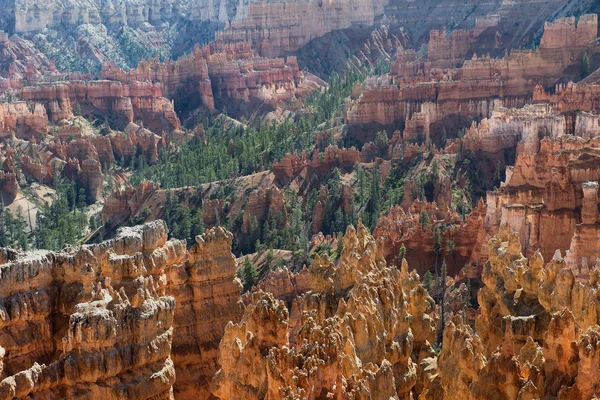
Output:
x=3 y=228
x=340 y=245
x=428 y=282
x=585 y=66
x=402 y=253
x=197 y=224
x=424 y=219
x=437 y=241
x=81 y=198
x=185 y=224
x=442 y=301
x=249 y=274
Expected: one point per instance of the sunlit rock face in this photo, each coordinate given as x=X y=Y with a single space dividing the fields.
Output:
x=430 y=91
x=536 y=335
x=119 y=319
x=359 y=326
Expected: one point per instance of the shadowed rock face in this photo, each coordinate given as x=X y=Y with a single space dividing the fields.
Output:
x=117 y=319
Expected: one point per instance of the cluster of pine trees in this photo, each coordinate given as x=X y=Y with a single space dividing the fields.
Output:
x=233 y=152
x=58 y=223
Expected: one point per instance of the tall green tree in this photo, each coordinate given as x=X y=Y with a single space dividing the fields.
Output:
x=249 y=274
x=585 y=66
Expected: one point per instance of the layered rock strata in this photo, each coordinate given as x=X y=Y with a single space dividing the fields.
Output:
x=548 y=196
x=121 y=103
x=120 y=319
x=215 y=75
x=427 y=97
x=275 y=29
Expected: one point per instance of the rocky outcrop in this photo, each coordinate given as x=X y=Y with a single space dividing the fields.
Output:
x=208 y=298
x=220 y=76
x=570 y=97
x=131 y=317
x=35 y=15
x=348 y=324
x=124 y=202
x=114 y=101
x=298 y=167
x=90 y=321
x=9 y=187
x=548 y=196
x=536 y=333
x=136 y=142
x=88 y=174
x=461 y=239
x=567 y=32
x=507 y=127
x=276 y=28
x=25 y=121
x=262 y=205
x=403 y=95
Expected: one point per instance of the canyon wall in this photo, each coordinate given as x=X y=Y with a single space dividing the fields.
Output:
x=35 y=15
x=549 y=196
x=228 y=76
x=119 y=319
x=474 y=90
x=122 y=103
x=276 y=28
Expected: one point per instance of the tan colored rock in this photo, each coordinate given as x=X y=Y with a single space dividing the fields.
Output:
x=134 y=317
x=423 y=95
x=362 y=344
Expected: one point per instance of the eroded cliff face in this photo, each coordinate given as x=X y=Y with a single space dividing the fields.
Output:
x=121 y=103
x=549 y=196
x=221 y=75
x=118 y=319
x=90 y=321
x=357 y=328
x=140 y=317
x=276 y=28
x=536 y=335
x=427 y=97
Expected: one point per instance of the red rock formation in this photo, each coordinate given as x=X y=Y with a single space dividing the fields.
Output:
x=235 y=72
x=506 y=127
x=133 y=316
x=25 y=121
x=261 y=204
x=318 y=214
x=122 y=102
x=271 y=350
x=9 y=187
x=571 y=97
x=566 y=32
x=511 y=79
x=292 y=166
x=112 y=320
x=125 y=201
x=88 y=174
x=399 y=227
x=208 y=298
x=542 y=196
x=135 y=142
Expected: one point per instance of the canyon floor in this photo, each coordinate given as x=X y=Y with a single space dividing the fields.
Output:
x=273 y=199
